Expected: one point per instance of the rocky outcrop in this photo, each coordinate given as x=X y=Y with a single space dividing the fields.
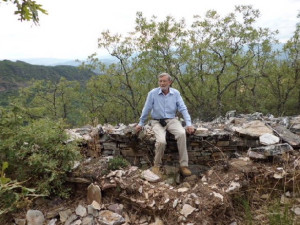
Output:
x=212 y=141
x=230 y=157
x=129 y=198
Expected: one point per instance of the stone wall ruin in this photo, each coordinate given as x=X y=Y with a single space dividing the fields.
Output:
x=258 y=136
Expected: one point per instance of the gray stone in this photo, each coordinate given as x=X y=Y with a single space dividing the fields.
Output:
x=272 y=150
x=63 y=215
x=52 y=222
x=94 y=194
x=175 y=202
x=230 y=114
x=288 y=136
x=254 y=128
x=295 y=125
x=71 y=218
x=20 y=221
x=107 y=217
x=296 y=210
x=81 y=211
x=143 y=219
x=96 y=205
x=89 y=220
x=201 y=131
x=92 y=211
x=285 y=200
x=53 y=213
x=117 y=208
x=170 y=180
x=77 y=222
x=233 y=186
x=187 y=210
x=35 y=217
x=268 y=139
x=150 y=176
x=255 y=155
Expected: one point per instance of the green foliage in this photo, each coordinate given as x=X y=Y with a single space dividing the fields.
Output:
x=16 y=75
x=280 y=215
x=242 y=206
x=248 y=214
x=48 y=159
x=218 y=64
x=117 y=163
x=36 y=151
x=3 y=179
x=48 y=99
x=28 y=10
x=13 y=194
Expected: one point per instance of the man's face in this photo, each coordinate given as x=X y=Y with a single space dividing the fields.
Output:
x=164 y=83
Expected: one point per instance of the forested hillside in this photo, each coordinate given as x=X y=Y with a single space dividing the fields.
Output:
x=14 y=75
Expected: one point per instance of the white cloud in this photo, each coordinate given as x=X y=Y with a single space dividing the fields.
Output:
x=72 y=27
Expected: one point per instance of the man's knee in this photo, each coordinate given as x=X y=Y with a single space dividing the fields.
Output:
x=180 y=134
x=161 y=142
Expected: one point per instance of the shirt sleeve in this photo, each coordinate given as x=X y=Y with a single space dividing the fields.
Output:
x=183 y=110
x=147 y=108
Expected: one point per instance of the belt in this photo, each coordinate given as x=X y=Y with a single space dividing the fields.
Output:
x=163 y=119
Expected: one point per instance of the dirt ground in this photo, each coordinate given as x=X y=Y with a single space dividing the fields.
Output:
x=233 y=191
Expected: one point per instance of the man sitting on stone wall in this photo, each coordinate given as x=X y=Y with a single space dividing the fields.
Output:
x=164 y=102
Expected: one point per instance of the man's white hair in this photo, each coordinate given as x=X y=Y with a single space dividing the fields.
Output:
x=165 y=74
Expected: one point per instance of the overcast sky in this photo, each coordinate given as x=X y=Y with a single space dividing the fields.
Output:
x=72 y=27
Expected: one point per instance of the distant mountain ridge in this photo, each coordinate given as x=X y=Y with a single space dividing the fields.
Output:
x=51 y=61
x=58 y=61
x=14 y=75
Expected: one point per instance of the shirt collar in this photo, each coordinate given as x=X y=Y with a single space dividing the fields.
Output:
x=170 y=92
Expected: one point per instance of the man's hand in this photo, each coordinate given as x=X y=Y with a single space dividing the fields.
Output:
x=138 y=128
x=190 y=129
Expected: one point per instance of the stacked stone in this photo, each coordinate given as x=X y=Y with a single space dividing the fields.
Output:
x=90 y=139
x=212 y=141
x=295 y=125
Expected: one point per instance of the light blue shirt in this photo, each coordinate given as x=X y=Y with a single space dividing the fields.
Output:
x=164 y=106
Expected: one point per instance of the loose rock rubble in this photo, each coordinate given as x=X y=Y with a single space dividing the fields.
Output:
x=245 y=155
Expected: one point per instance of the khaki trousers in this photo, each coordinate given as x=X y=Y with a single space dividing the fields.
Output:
x=175 y=128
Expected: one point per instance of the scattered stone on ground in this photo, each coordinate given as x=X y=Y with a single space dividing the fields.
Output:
x=246 y=155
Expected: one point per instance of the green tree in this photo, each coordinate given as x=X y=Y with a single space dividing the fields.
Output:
x=27 y=10
x=50 y=99
x=218 y=64
x=282 y=77
x=123 y=85
x=212 y=59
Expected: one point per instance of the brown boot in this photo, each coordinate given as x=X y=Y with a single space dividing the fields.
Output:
x=184 y=170
x=156 y=170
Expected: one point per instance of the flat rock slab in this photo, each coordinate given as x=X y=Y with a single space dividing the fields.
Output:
x=107 y=217
x=288 y=136
x=268 y=139
x=272 y=150
x=295 y=125
x=254 y=128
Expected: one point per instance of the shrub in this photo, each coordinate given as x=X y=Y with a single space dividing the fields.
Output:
x=36 y=152
x=13 y=194
x=117 y=163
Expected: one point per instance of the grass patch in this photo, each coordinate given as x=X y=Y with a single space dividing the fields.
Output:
x=117 y=163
